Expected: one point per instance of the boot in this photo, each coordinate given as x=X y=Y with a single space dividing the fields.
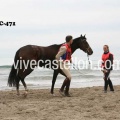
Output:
x=67 y=88
x=105 y=86
x=111 y=85
x=62 y=87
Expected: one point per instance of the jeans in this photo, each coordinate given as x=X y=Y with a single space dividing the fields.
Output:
x=107 y=81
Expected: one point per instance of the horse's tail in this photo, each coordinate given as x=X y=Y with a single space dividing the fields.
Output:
x=13 y=72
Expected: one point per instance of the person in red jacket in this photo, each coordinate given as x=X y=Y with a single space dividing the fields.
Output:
x=107 y=67
x=64 y=58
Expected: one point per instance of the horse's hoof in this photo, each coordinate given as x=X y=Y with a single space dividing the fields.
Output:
x=25 y=94
x=53 y=95
x=18 y=94
x=61 y=92
x=27 y=90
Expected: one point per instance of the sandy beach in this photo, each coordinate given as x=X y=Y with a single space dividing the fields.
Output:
x=85 y=104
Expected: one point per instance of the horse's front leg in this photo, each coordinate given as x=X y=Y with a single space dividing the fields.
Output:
x=55 y=74
x=25 y=86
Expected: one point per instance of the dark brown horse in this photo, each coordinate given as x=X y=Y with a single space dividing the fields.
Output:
x=37 y=53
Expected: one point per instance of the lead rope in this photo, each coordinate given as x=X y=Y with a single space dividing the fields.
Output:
x=78 y=70
x=88 y=59
x=74 y=66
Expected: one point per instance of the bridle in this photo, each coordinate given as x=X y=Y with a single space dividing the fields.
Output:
x=87 y=51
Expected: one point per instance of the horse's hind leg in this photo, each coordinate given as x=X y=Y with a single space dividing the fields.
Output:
x=17 y=79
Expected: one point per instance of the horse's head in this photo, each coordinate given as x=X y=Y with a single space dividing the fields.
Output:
x=83 y=45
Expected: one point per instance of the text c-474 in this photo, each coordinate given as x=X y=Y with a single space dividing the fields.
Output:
x=7 y=23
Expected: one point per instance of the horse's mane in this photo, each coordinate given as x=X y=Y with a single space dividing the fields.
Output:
x=58 y=45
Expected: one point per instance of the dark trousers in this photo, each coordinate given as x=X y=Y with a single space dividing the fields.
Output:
x=108 y=82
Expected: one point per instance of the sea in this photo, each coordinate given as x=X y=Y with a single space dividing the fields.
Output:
x=42 y=78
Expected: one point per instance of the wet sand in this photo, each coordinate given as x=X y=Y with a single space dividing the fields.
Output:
x=85 y=104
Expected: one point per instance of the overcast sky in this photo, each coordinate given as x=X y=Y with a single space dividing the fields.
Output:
x=46 y=22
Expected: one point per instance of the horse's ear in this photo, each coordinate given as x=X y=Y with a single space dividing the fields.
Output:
x=81 y=35
x=84 y=35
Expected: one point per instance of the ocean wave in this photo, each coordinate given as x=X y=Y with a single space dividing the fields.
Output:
x=5 y=66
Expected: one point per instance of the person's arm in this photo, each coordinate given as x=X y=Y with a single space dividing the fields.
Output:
x=111 y=58
x=71 y=60
x=110 y=63
x=61 y=52
x=103 y=67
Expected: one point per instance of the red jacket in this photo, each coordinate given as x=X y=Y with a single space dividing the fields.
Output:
x=67 y=55
x=105 y=63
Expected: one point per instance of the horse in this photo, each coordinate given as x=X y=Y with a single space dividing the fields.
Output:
x=39 y=53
